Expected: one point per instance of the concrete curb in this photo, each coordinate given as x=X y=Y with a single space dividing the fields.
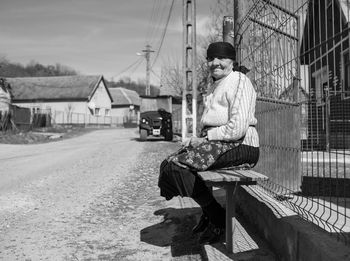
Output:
x=291 y=237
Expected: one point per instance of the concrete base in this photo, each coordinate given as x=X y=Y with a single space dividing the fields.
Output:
x=291 y=237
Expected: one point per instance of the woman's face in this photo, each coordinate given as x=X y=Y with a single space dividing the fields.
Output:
x=219 y=67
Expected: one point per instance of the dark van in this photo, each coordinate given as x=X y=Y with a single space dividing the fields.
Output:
x=155 y=120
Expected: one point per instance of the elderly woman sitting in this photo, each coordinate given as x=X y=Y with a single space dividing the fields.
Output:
x=228 y=138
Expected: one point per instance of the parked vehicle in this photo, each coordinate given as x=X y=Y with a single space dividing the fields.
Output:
x=156 y=117
x=156 y=124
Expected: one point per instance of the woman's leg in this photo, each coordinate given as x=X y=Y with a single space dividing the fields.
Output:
x=176 y=181
x=237 y=156
x=210 y=207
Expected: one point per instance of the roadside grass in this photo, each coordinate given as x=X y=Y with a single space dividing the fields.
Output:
x=42 y=135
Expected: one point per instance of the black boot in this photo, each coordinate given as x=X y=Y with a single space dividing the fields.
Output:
x=202 y=224
x=212 y=234
x=215 y=231
x=216 y=214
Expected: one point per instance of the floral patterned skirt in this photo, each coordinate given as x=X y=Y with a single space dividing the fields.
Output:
x=178 y=173
x=203 y=156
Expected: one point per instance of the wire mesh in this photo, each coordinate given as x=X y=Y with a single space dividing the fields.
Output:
x=48 y=117
x=298 y=56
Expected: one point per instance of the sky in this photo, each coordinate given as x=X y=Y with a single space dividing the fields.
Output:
x=96 y=37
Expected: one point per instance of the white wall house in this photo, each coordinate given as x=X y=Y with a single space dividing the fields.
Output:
x=125 y=105
x=68 y=98
x=5 y=97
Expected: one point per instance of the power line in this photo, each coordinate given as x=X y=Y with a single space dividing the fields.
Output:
x=131 y=65
x=157 y=16
x=151 y=20
x=163 y=34
x=158 y=26
x=135 y=68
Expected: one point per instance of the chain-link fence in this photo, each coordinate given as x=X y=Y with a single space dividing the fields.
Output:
x=48 y=118
x=298 y=56
x=177 y=121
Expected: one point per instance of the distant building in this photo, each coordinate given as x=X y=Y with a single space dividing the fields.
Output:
x=79 y=94
x=5 y=96
x=126 y=105
x=326 y=52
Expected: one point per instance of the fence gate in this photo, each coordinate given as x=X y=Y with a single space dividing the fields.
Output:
x=298 y=55
x=269 y=46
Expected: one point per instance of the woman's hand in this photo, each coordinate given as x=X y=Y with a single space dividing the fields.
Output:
x=195 y=141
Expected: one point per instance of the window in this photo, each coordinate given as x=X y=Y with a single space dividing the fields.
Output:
x=107 y=112
x=321 y=85
x=35 y=110
x=346 y=80
x=97 y=111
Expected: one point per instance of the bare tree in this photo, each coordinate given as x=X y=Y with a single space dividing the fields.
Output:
x=172 y=71
x=219 y=9
x=171 y=78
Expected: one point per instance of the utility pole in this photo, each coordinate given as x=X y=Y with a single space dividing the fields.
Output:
x=239 y=11
x=148 y=52
x=189 y=84
x=227 y=28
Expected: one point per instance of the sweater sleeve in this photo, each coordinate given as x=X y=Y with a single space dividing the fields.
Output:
x=239 y=110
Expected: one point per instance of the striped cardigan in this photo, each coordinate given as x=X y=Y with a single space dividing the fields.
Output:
x=230 y=107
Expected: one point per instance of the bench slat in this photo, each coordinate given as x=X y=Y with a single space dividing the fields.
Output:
x=226 y=175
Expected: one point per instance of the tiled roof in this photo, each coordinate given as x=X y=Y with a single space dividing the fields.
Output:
x=75 y=87
x=122 y=96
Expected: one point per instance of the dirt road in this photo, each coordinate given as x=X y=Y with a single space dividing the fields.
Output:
x=76 y=199
x=94 y=197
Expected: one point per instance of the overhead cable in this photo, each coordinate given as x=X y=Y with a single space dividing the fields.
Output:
x=130 y=66
x=153 y=12
x=163 y=34
x=157 y=17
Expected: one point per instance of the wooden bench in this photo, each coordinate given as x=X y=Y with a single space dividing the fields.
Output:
x=230 y=179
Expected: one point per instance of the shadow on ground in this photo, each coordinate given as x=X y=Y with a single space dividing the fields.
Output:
x=175 y=231
x=156 y=139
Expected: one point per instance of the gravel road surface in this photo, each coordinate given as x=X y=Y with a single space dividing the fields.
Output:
x=94 y=197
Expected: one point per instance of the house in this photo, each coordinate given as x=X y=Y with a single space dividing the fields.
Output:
x=126 y=105
x=11 y=116
x=5 y=96
x=297 y=91
x=325 y=51
x=63 y=96
x=5 y=104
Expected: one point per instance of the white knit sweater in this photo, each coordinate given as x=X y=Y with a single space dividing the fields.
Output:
x=230 y=107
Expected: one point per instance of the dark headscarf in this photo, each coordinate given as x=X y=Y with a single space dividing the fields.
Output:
x=221 y=50
x=225 y=50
